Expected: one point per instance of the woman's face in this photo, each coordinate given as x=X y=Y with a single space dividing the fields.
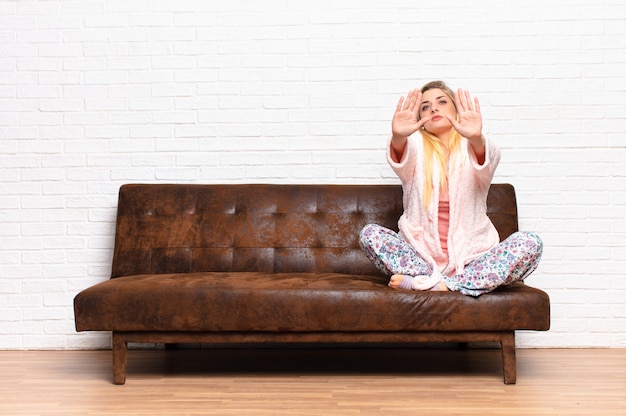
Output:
x=436 y=105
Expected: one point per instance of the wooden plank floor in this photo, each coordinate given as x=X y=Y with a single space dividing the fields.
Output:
x=314 y=382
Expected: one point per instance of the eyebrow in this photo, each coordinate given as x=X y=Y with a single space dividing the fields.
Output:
x=427 y=101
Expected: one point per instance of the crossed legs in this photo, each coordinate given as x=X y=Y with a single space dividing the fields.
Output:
x=512 y=260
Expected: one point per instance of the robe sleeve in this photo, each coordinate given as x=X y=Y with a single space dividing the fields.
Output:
x=486 y=170
x=405 y=166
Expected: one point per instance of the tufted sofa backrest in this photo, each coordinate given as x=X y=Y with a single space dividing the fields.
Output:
x=174 y=228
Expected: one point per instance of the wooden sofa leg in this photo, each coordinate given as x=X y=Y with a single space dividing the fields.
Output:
x=508 y=358
x=120 y=353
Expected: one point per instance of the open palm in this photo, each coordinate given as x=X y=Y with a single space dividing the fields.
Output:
x=405 y=120
x=470 y=121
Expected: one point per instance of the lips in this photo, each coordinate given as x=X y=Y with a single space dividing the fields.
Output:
x=435 y=118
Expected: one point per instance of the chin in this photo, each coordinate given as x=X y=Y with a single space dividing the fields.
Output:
x=439 y=130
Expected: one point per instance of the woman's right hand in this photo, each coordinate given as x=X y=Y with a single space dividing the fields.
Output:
x=405 y=120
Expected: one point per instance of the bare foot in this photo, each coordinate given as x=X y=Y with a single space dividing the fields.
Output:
x=400 y=281
x=395 y=280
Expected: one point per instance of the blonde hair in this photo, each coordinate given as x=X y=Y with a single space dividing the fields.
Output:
x=434 y=151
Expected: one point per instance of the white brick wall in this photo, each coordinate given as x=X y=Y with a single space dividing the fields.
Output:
x=97 y=93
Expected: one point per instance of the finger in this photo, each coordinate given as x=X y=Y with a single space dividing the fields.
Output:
x=453 y=122
x=399 y=106
x=410 y=102
x=477 y=105
x=459 y=97
x=468 y=100
x=407 y=102
x=422 y=122
x=418 y=102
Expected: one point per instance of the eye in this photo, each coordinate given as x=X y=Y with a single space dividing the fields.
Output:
x=425 y=107
x=443 y=102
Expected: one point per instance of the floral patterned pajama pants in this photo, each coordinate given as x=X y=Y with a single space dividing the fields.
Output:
x=510 y=261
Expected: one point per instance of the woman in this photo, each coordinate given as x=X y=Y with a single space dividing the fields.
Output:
x=446 y=241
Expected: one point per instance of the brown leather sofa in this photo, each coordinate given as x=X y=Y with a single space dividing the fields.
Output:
x=282 y=264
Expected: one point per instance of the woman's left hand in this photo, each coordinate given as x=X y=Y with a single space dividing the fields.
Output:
x=470 y=123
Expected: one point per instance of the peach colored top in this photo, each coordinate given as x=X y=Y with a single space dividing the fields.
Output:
x=444 y=221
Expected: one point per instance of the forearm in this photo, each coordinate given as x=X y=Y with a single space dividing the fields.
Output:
x=485 y=171
x=398 y=146
x=478 y=147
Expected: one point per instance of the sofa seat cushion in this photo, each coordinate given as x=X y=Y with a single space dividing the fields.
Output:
x=298 y=302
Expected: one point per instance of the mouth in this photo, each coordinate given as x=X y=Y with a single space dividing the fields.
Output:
x=435 y=118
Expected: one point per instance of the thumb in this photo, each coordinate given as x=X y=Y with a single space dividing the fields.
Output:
x=452 y=121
